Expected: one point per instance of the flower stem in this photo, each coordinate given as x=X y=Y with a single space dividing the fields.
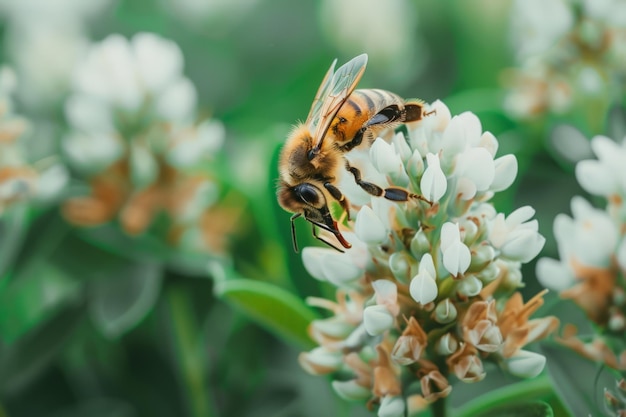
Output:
x=438 y=408
x=188 y=354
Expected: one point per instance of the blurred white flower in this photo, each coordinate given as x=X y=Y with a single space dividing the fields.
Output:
x=591 y=243
x=568 y=52
x=133 y=135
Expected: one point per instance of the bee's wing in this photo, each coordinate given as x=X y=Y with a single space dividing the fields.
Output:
x=332 y=94
x=322 y=92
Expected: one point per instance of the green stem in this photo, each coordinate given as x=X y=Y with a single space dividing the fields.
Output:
x=188 y=355
x=438 y=408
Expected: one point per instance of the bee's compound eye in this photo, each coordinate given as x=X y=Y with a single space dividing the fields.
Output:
x=308 y=193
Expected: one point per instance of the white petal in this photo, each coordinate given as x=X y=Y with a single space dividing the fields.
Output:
x=177 y=103
x=596 y=178
x=433 y=183
x=51 y=181
x=351 y=391
x=386 y=291
x=456 y=255
x=427 y=266
x=477 y=164
x=340 y=270
x=159 y=61
x=313 y=258
x=369 y=228
x=519 y=216
x=526 y=364
x=469 y=286
x=489 y=142
x=457 y=258
x=523 y=245
x=377 y=319
x=89 y=114
x=553 y=274
x=391 y=406
x=506 y=171
x=423 y=288
x=388 y=162
x=144 y=168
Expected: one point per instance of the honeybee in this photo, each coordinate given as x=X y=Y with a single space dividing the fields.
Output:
x=340 y=119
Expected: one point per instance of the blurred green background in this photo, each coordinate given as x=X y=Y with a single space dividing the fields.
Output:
x=94 y=323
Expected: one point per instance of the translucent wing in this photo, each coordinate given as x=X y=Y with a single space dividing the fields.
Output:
x=322 y=92
x=331 y=95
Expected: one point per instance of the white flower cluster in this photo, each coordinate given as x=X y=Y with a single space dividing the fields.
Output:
x=133 y=134
x=452 y=163
x=592 y=243
x=420 y=274
x=568 y=51
x=44 y=40
x=131 y=97
x=20 y=179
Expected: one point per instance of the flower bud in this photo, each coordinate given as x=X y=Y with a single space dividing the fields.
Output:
x=420 y=244
x=320 y=361
x=482 y=255
x=399 y=263
x=469 y=286
x=377 y=319
x=351 y=390
x=525 y=364
x=446 y=345
x=445 y=312
x=368 y=227
x=391 y=406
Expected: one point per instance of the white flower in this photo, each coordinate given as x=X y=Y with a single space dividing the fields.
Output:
x=589 y=237
x=525 y=364
x=456 y=255
x=517 y=237
x=340 y=269
x=196 y=145
x=368 y=226
x=538 y=24
x=351 y=390
x=433 y=183
x=377 y=319
x=606 y=175
x=423 y=287
x=123 y=76
x=392 y=406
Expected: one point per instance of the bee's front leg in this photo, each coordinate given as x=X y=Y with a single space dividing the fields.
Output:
x=390 y=193
x=338 y=195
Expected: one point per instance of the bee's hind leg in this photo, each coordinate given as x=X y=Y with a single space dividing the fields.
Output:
x=390 y=193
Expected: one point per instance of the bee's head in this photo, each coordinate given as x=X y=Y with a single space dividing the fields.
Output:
x=306 y=199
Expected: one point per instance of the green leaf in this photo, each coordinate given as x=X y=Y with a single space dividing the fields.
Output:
x=578 y=381
x=31 y=299
x=121 y=300
x=12 y=231
x=530 y=409
x=23 y=361
x=511 y=400
x=279 y=311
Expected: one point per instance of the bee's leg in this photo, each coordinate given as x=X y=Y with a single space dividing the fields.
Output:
x=387 y=115
x=390 y=193
x=414 y=111
x=337 y=195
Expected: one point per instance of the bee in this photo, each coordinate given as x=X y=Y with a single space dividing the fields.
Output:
x=313 y=156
